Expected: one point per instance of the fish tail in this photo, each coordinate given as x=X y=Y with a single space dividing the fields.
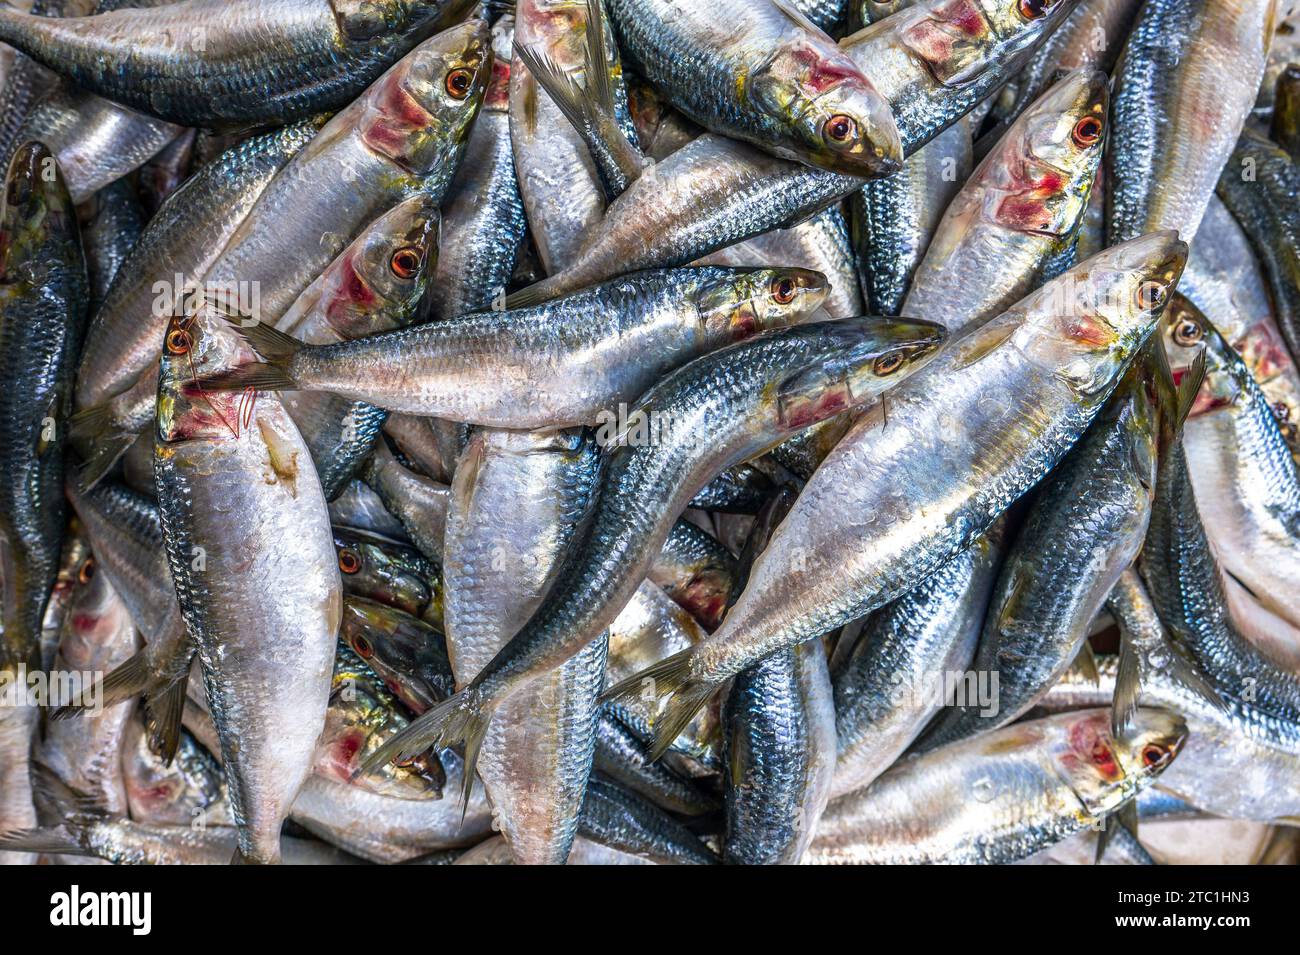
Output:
x=75 y=811
x=128 y=680
x=95 y=430
x=163 y=711
x=461 y=719
x=670 y=677
x=1128 y=687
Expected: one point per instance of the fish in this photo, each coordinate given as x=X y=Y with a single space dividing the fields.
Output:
x=894 y=219
x=1020 y=209
x=622 y=820
x=1224 y=279
x=95 y=140
x=247 y=536
x=43 y=292
x=715 y=191
x=562 y=193
x=1243 y=475
x=537 y=367
x=483 y=212
x=117 y=378
x=695 y=571
x=1083 y=529
x=88 y=830
x=780 y=740
x=743 y=398
x=379 y=282
x=1002 y=796
x=1184 y=85
x=762 y=73
x=897 y=496
x=377 y=569
x=190 y=790
x=408 y=655
x=621 y=756
x=98 y=634
x=419 y=504
x=1238 y=761
x=892 y=683
x=213 y=62
x=1258 y=188
x=111 y=224
x=516 y=503
x=1184 y=579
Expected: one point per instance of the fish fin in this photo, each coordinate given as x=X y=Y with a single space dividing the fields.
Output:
x=977 y=346
x=1128 y=687
x=669 y=677
x=799 y=19
x=1184 y=672
x=51 y=840
x=275 y=346
x=163 y=711
x=1085 y=663
x=256 y=375
x=461 y=719
x=75 y=810
x=574 y=102
x=530 y=295
x=597 y=60
x=1189 y=387
x=125 y=681
x=103 y=455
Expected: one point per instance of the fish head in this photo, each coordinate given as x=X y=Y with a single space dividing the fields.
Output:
x=95 y=617
x=395 y=646
x=423 y=108
x=193 y=787
x=381 y=279
x=856 y=360
x=361 y=718
x=196 y=345
x=370 y=569
x=36 y=207
x=743 y=302
x=958 y=40
x=832 y=116
x=1104 y=772
x=1040 y=176
x=1188 y=332
x=1086 y=325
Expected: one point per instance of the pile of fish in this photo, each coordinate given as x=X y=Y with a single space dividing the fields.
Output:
x=649 y=431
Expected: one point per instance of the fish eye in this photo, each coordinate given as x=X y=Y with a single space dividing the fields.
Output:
x=459 y=82
x=86 y=571
x=840 y=128
x=1033 y=9
x=1087 y=132
x=405 y=262
x=1188 y=332
x=1150 y=294
x=783 y=290
x=178 y=341
x=349 y=561
x=364 y=648
x=1153 y=755
x=888 y=363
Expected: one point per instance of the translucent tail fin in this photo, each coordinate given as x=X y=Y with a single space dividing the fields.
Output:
x=128 y=680
x=669 y=677
x=460 y=720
